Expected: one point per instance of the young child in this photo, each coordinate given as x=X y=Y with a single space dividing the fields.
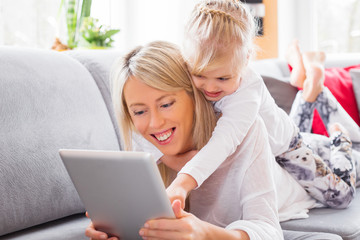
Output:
x=217 y=48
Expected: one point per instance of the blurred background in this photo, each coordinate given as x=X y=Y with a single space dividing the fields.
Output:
x=329 y=25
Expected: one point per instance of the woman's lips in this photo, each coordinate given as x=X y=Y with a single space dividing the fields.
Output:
x=212 y=94
x=164 y=137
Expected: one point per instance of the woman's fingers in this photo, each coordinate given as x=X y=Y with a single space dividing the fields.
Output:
x=160 y=234
x=178 y=211
x=93 y=234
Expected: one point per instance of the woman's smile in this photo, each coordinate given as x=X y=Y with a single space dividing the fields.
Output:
x=164 y=137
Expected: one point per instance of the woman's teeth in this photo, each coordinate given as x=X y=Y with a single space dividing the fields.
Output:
x=164 y=136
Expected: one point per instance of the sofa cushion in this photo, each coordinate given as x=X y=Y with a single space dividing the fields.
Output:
x=274 y=67
x=48 y=101
x=297 y=235
x=338 y=81
x=68 y=228
x=282 y=92
x=344 y=222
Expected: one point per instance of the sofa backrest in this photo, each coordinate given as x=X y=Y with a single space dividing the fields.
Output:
x=276 y=74
x=48 y=101
x=100 y=63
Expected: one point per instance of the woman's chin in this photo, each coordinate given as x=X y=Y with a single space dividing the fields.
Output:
x=169 y=151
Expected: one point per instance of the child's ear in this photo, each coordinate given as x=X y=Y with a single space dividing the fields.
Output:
x=248 y=55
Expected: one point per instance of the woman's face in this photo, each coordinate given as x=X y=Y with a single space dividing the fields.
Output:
x=163 y=118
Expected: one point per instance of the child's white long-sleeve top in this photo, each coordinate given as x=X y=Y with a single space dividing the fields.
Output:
x=239 y=111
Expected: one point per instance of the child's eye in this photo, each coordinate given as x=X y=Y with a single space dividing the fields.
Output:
x=168 y=104
x=198 y=76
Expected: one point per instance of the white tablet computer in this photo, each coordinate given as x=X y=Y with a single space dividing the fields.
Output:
x=120 y=190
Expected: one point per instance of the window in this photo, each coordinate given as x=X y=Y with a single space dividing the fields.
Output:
x=328 y=25
x=29 y=23
x=36 y=23
x=338 y=26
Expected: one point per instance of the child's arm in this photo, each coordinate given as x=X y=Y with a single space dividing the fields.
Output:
x=183 y=183
x=239 y=111
x=180 y=187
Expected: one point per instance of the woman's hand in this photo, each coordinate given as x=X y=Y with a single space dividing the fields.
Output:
x=185 y=226
x=93 y=234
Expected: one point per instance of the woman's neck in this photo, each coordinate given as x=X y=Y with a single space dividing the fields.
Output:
x=176 y=162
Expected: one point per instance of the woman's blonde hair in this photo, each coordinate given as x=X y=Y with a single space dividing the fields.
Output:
x=216 y=28
x=159 y=65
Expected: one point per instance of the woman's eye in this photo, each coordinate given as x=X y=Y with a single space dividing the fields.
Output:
x=137 y=113
x=167 y=104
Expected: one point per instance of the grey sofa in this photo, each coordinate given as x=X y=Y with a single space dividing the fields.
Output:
x=51 y=100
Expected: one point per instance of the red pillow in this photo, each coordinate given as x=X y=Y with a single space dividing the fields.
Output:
x=338 y=81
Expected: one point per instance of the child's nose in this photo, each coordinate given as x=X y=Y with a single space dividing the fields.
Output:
x=211 y=87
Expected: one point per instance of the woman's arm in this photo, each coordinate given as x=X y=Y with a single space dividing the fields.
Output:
x=187 y=226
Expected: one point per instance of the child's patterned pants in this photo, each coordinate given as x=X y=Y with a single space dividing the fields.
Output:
x=327 y=167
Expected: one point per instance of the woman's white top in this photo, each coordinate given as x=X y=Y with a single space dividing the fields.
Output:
x=239 y=111
x=249 y=191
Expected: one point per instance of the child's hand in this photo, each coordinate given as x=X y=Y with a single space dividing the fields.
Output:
x=177 y=193
x=180 y=188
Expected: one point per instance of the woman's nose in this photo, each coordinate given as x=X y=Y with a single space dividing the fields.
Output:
x=156 y=120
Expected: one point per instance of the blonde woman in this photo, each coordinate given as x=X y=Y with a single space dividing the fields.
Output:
x=155 y=98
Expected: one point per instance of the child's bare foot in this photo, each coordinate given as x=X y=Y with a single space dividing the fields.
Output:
x=337 y=127
x=314 y=83
x=315 y=57
x=294 y=58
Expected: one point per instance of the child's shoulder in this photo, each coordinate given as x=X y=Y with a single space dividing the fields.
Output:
x=249 y=78
x=250 y=74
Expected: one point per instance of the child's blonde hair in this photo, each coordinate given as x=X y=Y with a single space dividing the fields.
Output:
x=159 y=65
x=215 y=29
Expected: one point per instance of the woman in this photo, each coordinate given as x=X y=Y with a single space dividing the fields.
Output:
x=154 y=97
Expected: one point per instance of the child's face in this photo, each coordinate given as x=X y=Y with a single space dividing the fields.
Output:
x=218 y=82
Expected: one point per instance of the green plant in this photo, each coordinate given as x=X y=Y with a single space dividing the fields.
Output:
x=95 y=34
x=74 y=19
